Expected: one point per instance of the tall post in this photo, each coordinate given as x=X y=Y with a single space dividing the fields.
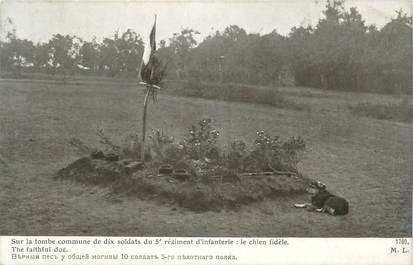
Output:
x=145 y=106
x=220 y=68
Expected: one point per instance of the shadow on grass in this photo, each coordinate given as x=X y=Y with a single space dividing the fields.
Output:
x=235 y=93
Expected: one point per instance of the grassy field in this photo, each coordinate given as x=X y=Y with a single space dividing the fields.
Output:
x=367 y=161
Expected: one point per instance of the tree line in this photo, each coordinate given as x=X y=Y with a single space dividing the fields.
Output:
x=341 y=52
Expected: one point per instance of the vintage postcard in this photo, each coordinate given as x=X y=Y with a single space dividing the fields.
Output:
x=206 y=132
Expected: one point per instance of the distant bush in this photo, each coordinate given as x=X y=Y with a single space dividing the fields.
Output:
x=402 y=111
x=233 y=92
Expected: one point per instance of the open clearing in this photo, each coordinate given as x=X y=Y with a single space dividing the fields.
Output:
x=369 y=162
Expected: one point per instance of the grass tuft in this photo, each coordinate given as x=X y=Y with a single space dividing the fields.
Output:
x=402 y=111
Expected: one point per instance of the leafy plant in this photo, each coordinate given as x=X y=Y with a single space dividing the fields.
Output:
x=292 y=151
x=131 y=148
x=80 y=146
x=237 y=154
x=107 y=142
x=201 y=139
x=266 y=152
x=270 y=153
x=159 y=139
x=157 y=144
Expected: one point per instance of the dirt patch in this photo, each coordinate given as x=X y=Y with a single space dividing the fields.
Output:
x=196 y=193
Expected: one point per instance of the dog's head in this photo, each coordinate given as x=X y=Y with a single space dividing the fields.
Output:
x=315 y=188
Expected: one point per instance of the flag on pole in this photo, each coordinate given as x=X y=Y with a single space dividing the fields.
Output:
x=151 y=72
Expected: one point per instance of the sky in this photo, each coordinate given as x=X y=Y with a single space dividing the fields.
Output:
x=38 y=20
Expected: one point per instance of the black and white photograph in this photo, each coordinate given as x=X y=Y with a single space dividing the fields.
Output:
x=206 y=119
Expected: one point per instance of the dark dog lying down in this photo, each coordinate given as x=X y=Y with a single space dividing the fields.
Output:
x=324 y=201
